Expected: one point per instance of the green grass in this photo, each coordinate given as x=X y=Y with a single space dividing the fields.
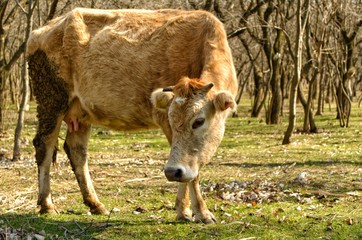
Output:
x=127 y=172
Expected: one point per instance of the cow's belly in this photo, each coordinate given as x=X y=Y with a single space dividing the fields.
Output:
x=123 y=124
x=115 y=111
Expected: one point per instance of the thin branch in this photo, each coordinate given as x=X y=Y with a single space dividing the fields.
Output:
x=52 y=10
x=21 y=7
x=15 y=56
x=3 y=6
x=236 y=32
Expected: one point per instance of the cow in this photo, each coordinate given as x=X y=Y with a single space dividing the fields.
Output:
x=131 y=70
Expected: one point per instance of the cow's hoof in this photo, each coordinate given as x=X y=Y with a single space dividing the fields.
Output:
x=184 y=218
x=185 y=215
x=207 y=218
x=48 y=210
x=99 y=210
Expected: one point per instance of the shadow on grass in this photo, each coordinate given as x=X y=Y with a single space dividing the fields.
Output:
x=74 y=226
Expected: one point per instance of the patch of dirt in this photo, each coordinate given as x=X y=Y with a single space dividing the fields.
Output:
x=258 y=192
x=12 y=233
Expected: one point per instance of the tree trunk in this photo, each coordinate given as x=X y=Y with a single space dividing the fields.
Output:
x=276 y=98
x=297 y=70
x=309 y=122
x=3 y=6
x=258 y=92
x=345 y=67
x=25 y=86
x=2 y=99
x=322 y=79
x=240 y=89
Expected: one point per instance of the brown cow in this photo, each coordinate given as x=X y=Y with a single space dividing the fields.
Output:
x=130 y=70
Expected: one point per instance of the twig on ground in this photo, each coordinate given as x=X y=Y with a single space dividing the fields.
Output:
x=141 y=179
x=13 y=209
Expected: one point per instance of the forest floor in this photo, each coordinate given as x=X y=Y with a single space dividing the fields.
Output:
x=256 y=187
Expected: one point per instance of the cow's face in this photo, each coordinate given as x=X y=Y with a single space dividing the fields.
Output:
x=196 y=116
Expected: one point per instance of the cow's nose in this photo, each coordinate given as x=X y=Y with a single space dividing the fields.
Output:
x=174 y=173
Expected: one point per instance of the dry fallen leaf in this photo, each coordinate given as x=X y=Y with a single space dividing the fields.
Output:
x=227 y=214
x=116 y=210
x=39 y=237
x=355 y=194
x=349 y=220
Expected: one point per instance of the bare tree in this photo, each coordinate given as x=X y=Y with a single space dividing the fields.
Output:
x=3 y=6
x=25 y=81
x=53 y=8
x=257 y=32
x=6 y=62
x=301 y=20
x=344 y=60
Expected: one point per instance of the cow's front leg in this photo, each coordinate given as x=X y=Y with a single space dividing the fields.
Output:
x=198 y=204
x=183 y=203
x=45 y=143
x=75 y=146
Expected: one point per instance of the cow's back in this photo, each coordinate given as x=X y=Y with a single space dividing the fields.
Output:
x=111 y=60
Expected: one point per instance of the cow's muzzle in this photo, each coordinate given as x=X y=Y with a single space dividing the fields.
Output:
x=180 y=174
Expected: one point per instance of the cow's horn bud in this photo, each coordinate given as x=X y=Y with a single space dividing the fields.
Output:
x=207 y=87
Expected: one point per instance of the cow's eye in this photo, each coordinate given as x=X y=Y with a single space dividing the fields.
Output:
x=198 y=123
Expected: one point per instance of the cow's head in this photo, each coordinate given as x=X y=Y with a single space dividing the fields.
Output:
x=197 y=117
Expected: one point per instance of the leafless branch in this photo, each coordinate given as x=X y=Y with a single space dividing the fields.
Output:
x=236 y=32
x=15 y=57
x=21 y=7
x=52 y=10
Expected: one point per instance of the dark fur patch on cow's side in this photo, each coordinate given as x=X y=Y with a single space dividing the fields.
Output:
x=52 y=97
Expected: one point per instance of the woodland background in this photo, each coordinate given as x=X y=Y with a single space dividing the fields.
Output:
x=299 y=71
x=305 y=52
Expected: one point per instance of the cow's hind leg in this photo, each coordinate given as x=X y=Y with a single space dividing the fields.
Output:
x=51 y=93
x=75 y=146
x=198 y=204
x=182 y=205
x=45 y=143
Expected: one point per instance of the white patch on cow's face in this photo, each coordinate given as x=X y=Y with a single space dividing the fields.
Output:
x=197 y=130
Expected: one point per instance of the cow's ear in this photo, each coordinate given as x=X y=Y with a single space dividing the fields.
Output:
x=161 y=99
x=224 y=100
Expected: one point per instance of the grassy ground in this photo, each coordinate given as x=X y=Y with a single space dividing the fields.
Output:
x=256 y=187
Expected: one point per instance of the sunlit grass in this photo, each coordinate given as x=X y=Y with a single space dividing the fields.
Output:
x=127 y=172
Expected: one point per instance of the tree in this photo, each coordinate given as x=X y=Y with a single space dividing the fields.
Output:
x=260 y=86
x=301 y=20
x=6 y=63
x=262 y=35
x=25 y=81
x=344 y=60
